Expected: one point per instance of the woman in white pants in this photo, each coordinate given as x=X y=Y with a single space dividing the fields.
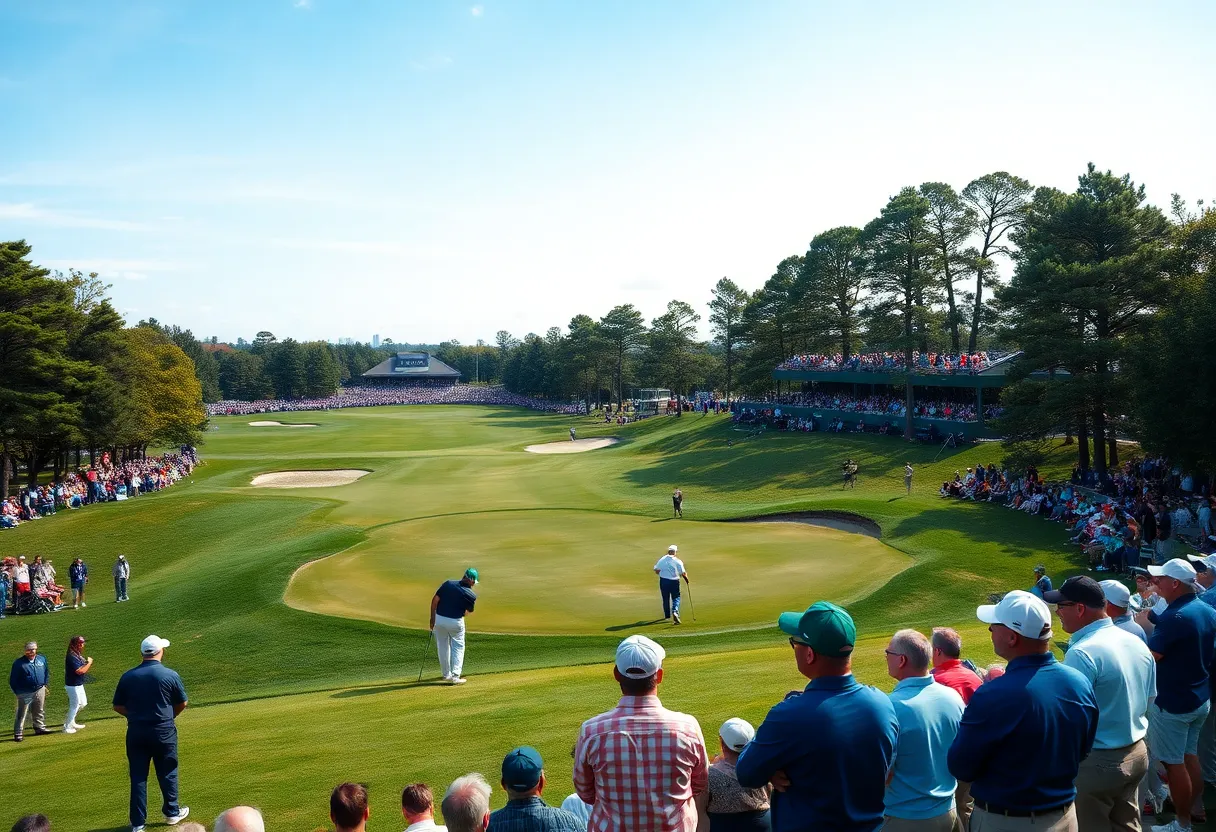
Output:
x=76 y=665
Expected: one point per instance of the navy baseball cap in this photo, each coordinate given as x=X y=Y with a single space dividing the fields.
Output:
x=521 y=769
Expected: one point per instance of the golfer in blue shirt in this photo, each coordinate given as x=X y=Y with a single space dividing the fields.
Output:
x=828 y=748
x=452 y=602
x=1024 y=734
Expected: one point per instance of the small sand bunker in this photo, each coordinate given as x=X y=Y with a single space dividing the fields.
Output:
x=575 y=447
x=308 y=479
x=280 y=425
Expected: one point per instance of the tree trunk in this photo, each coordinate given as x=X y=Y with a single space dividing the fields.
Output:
x=979 y=303
x=6 y=473
x=954 y=336
x=1113 y=446
x=1099 y=439
x=1083 y=444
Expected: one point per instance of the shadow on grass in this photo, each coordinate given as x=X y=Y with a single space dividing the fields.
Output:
x=112 y=829
x=356 y=692
x=616 y=628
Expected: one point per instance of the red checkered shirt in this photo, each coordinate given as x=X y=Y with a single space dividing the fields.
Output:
x=639 y=766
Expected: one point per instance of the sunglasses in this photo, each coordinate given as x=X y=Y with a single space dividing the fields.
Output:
x=796 y=643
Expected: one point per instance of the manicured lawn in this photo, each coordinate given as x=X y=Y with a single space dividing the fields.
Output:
x=565 y=544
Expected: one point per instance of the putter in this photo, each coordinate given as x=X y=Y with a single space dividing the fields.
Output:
x=691 y=608
x=427 y=652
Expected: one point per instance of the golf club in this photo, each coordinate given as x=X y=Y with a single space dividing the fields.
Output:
x=691 y=607
x=429 y=638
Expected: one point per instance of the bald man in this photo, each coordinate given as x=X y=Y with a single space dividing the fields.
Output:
x=240 y=819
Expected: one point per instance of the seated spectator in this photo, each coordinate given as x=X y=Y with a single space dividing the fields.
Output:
x=827 y=749
x=466 y=804
x=523 y=778
x=418 y=809
x=348 y=808
x=640 y=766
x=33 y=823
x=242 y=819
x=729 y=806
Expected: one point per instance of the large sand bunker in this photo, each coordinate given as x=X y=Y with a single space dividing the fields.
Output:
x=308 y=479
x=575 y=447
x=280 y=425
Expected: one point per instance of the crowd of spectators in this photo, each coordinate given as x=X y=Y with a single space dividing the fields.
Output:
x=886 y=362
x=376 y=396
x=879 y=405
x=101 y=482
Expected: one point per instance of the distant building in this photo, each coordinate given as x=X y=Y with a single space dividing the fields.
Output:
x=412 y=368
x=375 y=342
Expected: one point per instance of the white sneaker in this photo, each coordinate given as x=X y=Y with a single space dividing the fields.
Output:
x=69 y=730
x=179 y=817
x=137 y=829
x=83 y=604
x=456 y=680
x=1172 y=826
x=78 y=726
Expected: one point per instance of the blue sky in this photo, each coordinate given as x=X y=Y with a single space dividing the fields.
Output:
x=434 y=170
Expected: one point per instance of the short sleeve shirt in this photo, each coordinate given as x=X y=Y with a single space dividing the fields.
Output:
x=1184 y=636
x=670 y=567
x=455 y=599
x=149 y=692
x=71 y=664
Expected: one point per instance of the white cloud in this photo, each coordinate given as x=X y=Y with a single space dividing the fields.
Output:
x=29 y=212
x=477 y=11
x=302 y=4
x=115 y=269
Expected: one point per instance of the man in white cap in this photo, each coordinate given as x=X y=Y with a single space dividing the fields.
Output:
x=640 y=766
x=729 y=805
x=670 y=569
x=1182 y=638
x=1119 y=607
x=150 y=697
x=1124 y=678
x=1024 y=734
x=1205 y=577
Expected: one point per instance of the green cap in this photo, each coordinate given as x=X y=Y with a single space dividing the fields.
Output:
x=521 y=769
x=471 y=574
x=827 y=628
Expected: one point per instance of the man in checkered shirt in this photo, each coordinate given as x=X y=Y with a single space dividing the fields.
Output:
x=640 y=765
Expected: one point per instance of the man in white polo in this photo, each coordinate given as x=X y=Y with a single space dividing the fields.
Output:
x=1124 y=677
x=670 y=569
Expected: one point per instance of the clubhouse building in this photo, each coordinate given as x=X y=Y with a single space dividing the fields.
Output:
x=412 y=369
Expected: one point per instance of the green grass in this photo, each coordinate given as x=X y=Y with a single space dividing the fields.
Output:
x=213 y=557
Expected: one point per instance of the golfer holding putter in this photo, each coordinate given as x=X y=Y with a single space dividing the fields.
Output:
x=452 y=602
x=670 y=569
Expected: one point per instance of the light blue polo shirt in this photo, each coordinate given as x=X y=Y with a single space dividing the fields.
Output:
x=1124 y=677
x=929 y=713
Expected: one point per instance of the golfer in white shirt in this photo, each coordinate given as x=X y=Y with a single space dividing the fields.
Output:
x=670 y=569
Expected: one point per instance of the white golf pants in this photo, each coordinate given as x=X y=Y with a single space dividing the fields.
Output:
x=76 y=701
x=449 y=639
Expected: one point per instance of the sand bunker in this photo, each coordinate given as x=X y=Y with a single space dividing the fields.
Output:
x=575 y=447
x=840 y=520
x=279 y=425
x=308 y=479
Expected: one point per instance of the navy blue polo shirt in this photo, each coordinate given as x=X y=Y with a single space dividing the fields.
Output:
x=455 y=599
x=1024 y=734
x=836 y=743
x=71 y=663
x=149 y=692
x=1185 y=638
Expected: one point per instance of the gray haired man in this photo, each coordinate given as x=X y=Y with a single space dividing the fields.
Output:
x=466 y=804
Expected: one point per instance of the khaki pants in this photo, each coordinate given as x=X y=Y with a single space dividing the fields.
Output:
x=30 y=704
x=1061 y=820
x=1106 y=788
x=941 y=823
x=962 y=804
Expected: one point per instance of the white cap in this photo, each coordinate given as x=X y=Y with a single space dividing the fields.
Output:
x=639 y=657
x=673 y=548
x=1116 y=593
x=1176 y=568
x=1209 y=561
x=736 y=733
x=1025 y=614
x=153 y=645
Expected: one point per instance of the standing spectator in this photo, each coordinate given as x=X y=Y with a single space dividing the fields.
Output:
x=1024 y=734
x=78 y=575
x=348 y=808
x=6 y=584
x=908 y=477
x=452 y=602
x=28 y=680
x=150 y=697
x=1042 y=583
x=523 y=778
x=418 y=809
x=948 y=668
x=677 y=502
x=827 y=750
x=1118 y=607
x=238 y=819
x=920 y=792
x=75 y=666
x=640 y=766
x=729 y=806
x=1183 y=640
x=1124 y=678
x=466 y=804
x=122 y=572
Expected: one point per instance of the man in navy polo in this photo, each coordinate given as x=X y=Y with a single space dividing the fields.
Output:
x=28 y=679
x=828 y=748
x=1024 y=734
x=452 y=602
x=150 y=697
x=1182 y=639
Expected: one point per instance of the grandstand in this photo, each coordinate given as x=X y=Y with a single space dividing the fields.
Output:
x=412 y=368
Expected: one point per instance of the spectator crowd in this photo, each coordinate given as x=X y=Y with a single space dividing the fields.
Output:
x=876 y=405
x=376 y=396
x=102 y=482
x=887 y=362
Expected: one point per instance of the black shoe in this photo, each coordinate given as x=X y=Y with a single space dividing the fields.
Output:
x=38 y=732
x=18 y=739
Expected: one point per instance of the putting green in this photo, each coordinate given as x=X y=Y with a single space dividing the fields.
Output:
x=586 y=572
